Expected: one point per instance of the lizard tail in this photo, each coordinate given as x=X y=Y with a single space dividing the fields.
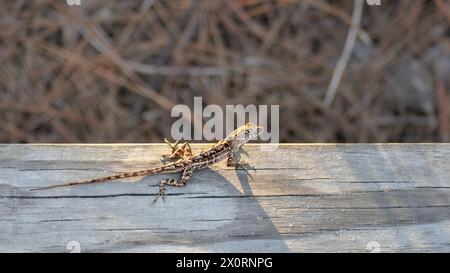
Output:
x=103 y=179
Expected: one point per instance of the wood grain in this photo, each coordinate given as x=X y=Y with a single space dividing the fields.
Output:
x=304 y=198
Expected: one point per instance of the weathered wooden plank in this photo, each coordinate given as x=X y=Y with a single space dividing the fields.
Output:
x=312 y=197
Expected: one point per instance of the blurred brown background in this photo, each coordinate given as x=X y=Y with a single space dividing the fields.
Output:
x=110 y=71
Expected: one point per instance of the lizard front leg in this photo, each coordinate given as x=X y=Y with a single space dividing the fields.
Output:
x=186 y=175
x=233 y=161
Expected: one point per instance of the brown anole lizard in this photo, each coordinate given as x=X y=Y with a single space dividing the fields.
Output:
x=224 y=149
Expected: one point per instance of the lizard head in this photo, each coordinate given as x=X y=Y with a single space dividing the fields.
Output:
x=245 y=133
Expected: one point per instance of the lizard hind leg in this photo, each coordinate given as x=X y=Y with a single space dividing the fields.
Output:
x=187 y=174
x=183 y=151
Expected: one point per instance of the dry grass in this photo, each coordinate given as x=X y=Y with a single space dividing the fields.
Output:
x=110 y=71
